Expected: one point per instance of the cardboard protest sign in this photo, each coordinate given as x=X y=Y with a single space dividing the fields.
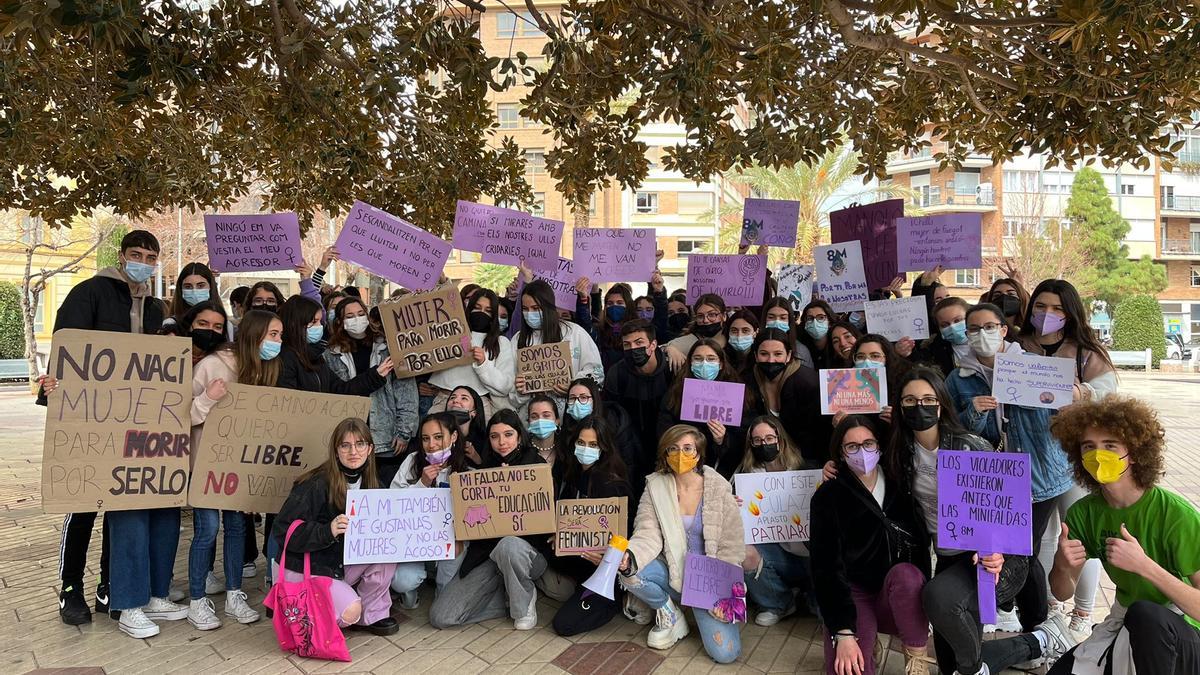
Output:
x=738 y=279
x=952 y=240
x=506 y=236
x=493 y=503
x=118 y=425
x=426 y=332
x=705 y=400
x=795 y=284
x=985 y=502
x=258 y=440
x=392 y=248
x=707 y=581
x=875 y=226
x=839 y=276
x=587 y=524
x=259 y=242
x=1033 y=381
x=853 y=390
x=898 y=318
x=775 y=504
x=402 y=525
x=545 y=366
x=562 y=280
x=772 y=222
x=612 y=254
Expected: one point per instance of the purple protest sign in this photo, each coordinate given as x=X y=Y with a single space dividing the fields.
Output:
x=611 y=254
x=953 y=240
x=705 y=400
x=506 y=236
x=738 y=279
x=392 y=248
x=984 y=502
x=563 y=281
x=985 y=590
x=261 y=242
x=707 y=581
x=770 y=221
x=875 y=226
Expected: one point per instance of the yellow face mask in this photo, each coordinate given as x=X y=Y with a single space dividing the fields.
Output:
x=1105 y=466
x=682 y=463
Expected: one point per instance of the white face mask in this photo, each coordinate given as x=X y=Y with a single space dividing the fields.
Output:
x=356 y=326
x=985 y=343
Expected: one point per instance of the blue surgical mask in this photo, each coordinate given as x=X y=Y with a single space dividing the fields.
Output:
x=503 y=323
x=533 y=318
x=586 y=456
x=705 y=370
x=579 y=410
x=955 y=333
x=867 y=363
x=314 y=334
x=138 y=271
x=741 y=342
x=817 y=328
x=615 y=312
x=269 y=350
x=857 y=320
x=542 y=428
x=195 y=296
x=781 y=325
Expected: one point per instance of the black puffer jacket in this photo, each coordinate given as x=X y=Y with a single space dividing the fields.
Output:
x=322 y=380
x=640 y=396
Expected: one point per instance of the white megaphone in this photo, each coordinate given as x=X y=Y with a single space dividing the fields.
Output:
x=604 y=580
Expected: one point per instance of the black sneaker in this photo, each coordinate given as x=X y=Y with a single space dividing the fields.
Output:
x=72 y=607
x=384 y=626
x=102 y=599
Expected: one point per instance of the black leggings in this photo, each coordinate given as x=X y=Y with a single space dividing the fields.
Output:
x=76 y=536
x=1163 y=643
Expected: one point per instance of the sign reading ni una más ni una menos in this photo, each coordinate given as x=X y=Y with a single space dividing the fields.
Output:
x=426 y=332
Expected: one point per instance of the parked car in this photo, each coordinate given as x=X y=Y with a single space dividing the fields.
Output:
x=1176 y=349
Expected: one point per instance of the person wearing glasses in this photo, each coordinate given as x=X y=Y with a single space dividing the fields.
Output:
x=871 y=552
x=706 y=361
x=584 y=399
x=687 y=508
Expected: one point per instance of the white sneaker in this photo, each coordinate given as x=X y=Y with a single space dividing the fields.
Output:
x=134 y=623
x=770 y=618
x=1080 y=626
x=203 y=615
x=249 y=571
x=670 y=627
x=213 y=585
x=637 y=611
x=176 y=594
x=1007 y=622
x=162 y=608
x=1060 y=638
x=410 y=599
x=529 y=621
x=237 y=607
x=982 y=671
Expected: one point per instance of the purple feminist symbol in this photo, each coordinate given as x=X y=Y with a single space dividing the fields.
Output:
x=604 y=522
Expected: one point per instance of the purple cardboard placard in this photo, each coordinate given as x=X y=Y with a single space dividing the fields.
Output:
x=259 y=242
x=738 y=279
x=952 y=240
x=875 y=226
x=985 y=588
x=707 y=581
x=770 y=221
x=612 y=254
x=392 y=248
x=563 y=281
x=984 y=502
x=705 y=400
x=506 y=236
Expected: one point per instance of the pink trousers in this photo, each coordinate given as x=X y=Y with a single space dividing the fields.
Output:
x=366 y=583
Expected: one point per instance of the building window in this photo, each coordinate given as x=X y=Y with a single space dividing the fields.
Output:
x=695 y=202
x=647 y=202
x=592 y=204
x=535 y=162
x=966 y=277
x=652 y=158
x=506 y=25
x=517 y=24
x=1195 y=276
x=539 y=205
x=33 y=230
x=1126 y=189
x=508 y=115
x=686 y=247
x=1020 y=181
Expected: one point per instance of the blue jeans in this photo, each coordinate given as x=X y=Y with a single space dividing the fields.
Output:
x=204 y=549
x=782 y=573
x=722 y=641
x=408 y=576
x=142 y=555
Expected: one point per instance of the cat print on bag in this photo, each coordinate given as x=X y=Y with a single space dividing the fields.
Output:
x=294 y=613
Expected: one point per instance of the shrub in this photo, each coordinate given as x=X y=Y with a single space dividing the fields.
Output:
x=12 y=330
x=1138 y=325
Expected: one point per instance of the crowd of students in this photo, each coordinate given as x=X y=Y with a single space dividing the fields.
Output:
x=874 y=565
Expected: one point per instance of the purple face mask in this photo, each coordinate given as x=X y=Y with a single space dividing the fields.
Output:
x=438 y=457
x=1047 y=323
x=864 y=461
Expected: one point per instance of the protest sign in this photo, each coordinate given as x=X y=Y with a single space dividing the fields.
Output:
x=118 y=424
x=562 y=281
x=258 y=440
x=898 y=318
x=775 y=504
x=587 y=524
x=738 y=279
x=795 y=284
x=853 y=390
x=401 y=525
x=705 y=400
x=494 y=503
x=261 y=242
x=770 y=221
x=506 y=236
x=952 y=240
x=545 y=366
x=984 y=502
x=707 y=581
x=1033 y=381
x=426 y=332
x=612 y=254
x=839 y=276
x=875 y=226
x=392 y=248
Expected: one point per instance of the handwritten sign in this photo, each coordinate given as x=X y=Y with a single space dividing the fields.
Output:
x=738 y=279
x=611 y=254
x=984 y=502
x=392 y=248
x=875 y=226
x=707 y=581
x=1033 y=381
x=426 y=332
x=494 y=503
x=705 y=400
x=775 y=504
x=258 y=440
x=952 y=240
x=840 y=278
x=898 y=318
x=545 y=366
x=506 y=236
x=795 y=284
x=853 y=390
x=587 y=524
x=395 y=526
x=118 y=424
x=257 y=242
x=770 y=221
x=562 y=281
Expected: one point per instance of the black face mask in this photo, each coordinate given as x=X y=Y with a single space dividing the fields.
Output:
x=1009 y=304
x=479 y=322
x=638 y=356
x=207 y=340
x=707 y=330
x=274 y=309
x=766 y=452
x=770 y=370
x=461 y=417
x=351 y=475
x=676 y=322
x=920 y=417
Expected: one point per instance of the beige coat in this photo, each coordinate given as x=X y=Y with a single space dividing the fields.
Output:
x=658 y=528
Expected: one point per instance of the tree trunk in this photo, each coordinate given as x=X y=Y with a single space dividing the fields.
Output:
x=28 y=314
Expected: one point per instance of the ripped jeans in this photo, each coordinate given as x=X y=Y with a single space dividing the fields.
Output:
x=722 y=641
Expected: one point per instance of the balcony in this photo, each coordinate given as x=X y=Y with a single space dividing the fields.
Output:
x=971 y=199
x=1180 y=205
x=1181 y=249
x=922 y=158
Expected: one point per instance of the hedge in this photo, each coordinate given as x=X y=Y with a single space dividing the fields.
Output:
x=12 y=330
x=1138 y=325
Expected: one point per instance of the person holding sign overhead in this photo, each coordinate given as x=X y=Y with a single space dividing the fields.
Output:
x=1055 y=324
x=706 y=361
x=491 y=370
x=540 y=324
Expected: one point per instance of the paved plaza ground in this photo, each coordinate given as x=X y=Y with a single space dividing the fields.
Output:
x=32 y=637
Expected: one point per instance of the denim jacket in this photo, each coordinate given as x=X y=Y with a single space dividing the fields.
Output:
x=393 y=406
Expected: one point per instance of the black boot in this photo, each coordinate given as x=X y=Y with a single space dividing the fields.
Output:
x=384 y=626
